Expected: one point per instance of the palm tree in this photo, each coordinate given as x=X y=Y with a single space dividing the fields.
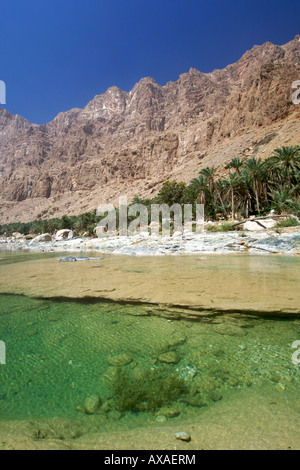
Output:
x=209 y=173
x=286 y=160
x=256 y=169
x=220 y=188
x=236 y=163
x=199 y=185
x=282 y=201
x=233 y=184
x=247 y=190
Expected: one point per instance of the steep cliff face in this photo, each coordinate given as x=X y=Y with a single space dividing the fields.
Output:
x=128 y=143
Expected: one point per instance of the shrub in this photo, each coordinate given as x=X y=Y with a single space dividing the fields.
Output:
x=290 y=222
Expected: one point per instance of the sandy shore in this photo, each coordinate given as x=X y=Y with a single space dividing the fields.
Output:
x=252 y=421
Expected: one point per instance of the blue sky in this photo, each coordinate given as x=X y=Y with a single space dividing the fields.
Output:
x=58 y=54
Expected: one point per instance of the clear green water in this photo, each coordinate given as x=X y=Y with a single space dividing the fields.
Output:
x=59 y=353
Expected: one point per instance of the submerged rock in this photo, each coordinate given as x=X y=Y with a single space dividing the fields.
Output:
x=187 y=372
x=119 y=360
x=161 y=419
x=215 y=395
x=229 y=329
x=91 y=405
x=169 y=357
x=168 y=412
x=177 y=339
x=72 y=259
x=196 y=401
x=68 y=259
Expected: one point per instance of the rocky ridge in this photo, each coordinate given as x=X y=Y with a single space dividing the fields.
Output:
x=129 y=143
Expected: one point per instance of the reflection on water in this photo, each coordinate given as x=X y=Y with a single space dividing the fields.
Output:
x=114 y=366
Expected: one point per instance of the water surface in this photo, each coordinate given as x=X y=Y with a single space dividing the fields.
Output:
x=231 y=379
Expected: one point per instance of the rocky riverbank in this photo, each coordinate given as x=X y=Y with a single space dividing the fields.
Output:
x=285 y=241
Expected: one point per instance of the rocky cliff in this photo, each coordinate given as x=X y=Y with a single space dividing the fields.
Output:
x=129 y=143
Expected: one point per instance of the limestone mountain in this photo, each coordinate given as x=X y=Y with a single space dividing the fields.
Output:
x=129 y=143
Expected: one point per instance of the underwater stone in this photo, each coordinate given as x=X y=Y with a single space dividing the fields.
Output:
x=138 y=373
x=72 y=259
x=92 y=404
x=119 y=360
x=115 y=415
x=161 y=419
x=183 y=436
x=275 y=378
x=196 y=401
x=169 y=358
x=215 y=395
x=218 y=353
x=107 y=407
x=229 y=330
x=233 y=382
x=188 y=372
x=168 y=412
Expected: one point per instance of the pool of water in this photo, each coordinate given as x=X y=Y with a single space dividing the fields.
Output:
x=142 y=368
x=107 y=354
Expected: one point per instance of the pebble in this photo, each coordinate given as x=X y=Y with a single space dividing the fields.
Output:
x=183 y=436
x=161 y=419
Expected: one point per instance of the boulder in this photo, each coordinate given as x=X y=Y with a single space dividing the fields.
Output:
x=45 y=237
x=30 y=236
x=64 y=234
x=256 y=226
x=17 y=235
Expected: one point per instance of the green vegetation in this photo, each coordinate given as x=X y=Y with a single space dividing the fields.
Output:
x=150 y=392
x=79 y=224
x=251 y=187
x=290 y=222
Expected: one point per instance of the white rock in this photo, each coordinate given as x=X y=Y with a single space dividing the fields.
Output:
x=183 y=436
x=45 y=237
x=254 y=226
x=17 y=235
x=64 y=234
